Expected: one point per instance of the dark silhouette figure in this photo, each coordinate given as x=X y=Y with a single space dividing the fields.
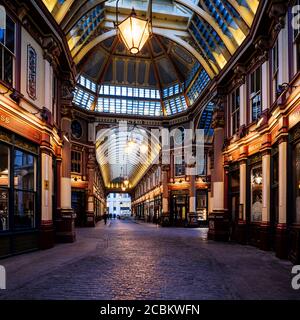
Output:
x=105 y=218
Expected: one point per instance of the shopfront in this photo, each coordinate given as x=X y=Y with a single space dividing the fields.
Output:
x=157 y=209
x=202 y=207
x=255 y=202
x=179 y=207
x=79 y=206
x=234 y=198
x=294 y=195
x=20 y=213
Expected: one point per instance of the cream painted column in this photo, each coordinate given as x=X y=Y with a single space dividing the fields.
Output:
x=65 y=231
x=281 y=230
x=266 y=171
x=283 y=183
x=47 y=185
x=46 y=238
x=264 y=231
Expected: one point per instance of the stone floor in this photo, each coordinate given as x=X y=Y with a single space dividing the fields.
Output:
x=129 y=260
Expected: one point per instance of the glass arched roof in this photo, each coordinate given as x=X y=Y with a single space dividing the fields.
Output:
x=191 y=43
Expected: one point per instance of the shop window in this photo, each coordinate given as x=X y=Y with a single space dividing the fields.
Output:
x=255 y=94
x=24 y=190
x=256 y=193
x=296 y=175
x=76 y=162
x=7 y=52
x=235 y=110
x=4 y=187
x=201 y=203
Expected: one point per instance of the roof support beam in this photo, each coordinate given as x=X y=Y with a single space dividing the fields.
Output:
x=63 y=10
x=246 y=14
x=170 y=34
x=79 y=9
x=156 y=73
x=177 y=39
x=210 y=20
x=188 y=4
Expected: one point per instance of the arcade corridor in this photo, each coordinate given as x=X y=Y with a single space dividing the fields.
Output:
x=130 y=260
x=178 y=118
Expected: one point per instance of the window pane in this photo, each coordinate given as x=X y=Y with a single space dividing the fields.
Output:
x=4 y=222
x=8 y=67
x=256 y=194
x=24 y=210
x=24 y=171
x=10 y=34
x=4 y=166
x=1 y=63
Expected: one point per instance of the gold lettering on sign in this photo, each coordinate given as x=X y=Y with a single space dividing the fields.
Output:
x=4 y=119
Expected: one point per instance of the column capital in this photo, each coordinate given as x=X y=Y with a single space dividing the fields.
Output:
x=218 y=119
x=165 y=167
x=282 y=138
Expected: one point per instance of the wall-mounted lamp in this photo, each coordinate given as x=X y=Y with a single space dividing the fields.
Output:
x=66 y=137
x=14 y=95
x=44 y=113
x=284 y=86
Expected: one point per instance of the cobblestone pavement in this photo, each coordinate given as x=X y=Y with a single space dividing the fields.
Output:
x=129 y=260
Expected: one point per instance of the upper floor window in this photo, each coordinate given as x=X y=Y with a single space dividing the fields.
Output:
x=7 y=51
x=235 y=110
x=296 y=28
x=255 y=94
x=76 y=161
x=275 y=70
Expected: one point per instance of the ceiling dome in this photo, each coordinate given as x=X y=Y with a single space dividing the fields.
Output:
x=191 y=42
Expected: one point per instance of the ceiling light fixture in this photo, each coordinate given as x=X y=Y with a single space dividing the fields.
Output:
x=133 y=31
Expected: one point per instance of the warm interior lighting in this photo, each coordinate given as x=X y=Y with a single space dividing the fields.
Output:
x=134 y=32
x=66 y=138
x=144 y=148
x=259 y=123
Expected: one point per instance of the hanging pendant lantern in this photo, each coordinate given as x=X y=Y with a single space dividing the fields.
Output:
x=134 y=32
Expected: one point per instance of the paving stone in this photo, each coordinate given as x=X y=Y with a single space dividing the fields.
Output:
x=128 y=260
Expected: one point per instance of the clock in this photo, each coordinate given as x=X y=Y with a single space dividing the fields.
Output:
x=76 y=129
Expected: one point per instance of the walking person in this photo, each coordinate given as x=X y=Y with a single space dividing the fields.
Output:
x=105 y=217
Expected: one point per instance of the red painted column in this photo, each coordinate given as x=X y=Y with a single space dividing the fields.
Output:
x=90 y=214
x=165 y=218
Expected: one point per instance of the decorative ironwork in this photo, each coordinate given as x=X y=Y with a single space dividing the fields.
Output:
x=31 y=72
